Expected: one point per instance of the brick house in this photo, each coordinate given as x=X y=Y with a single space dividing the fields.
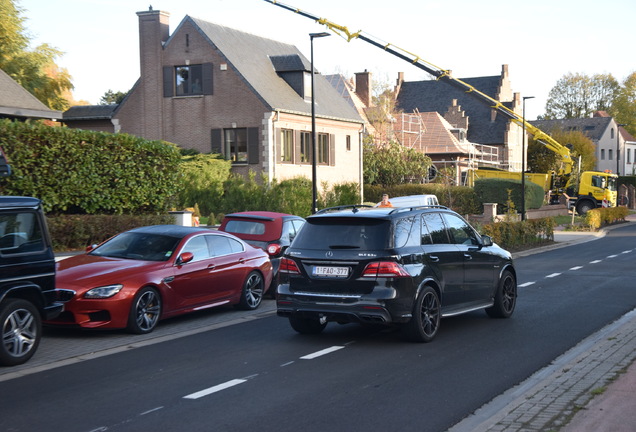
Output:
x=216 y=89
x=482 y=124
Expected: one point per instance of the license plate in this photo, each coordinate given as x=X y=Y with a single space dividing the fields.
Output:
x=331 y=271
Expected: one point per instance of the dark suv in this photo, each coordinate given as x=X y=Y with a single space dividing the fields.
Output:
x=27 y=278
x=406 y=266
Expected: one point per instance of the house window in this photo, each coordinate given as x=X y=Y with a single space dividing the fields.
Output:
x=287 y=145
x=348 y=142
x=188 y=80
x=235 y=145
x=602 y=154
x=629 y=156
x=612 y=133
x=322 y=149
x=305 y=147
x=609 y=154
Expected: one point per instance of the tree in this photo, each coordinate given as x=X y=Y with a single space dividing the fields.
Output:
x=111 y=97
x=543 y=160
x=393 y=164
x=35 y=70
x=578 y=96
x=624 y=107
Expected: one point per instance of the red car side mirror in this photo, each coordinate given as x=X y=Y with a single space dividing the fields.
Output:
x=185 y=258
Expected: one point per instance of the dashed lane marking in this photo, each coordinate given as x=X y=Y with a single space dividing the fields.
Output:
x=216 y=388
x=523 y=285
x=553 y=275
x=321 y=352
x=576 y=268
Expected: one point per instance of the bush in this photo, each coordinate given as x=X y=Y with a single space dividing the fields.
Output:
x=494 y=190
x=520 y=235
x=603 y=216
x=76 y=232
x=81 y=171
x=202 y=178
x=461 y=199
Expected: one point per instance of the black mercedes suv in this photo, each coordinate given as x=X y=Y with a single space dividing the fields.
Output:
x=406 y=266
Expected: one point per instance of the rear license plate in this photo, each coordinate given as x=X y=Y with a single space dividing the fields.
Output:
x=331 y=271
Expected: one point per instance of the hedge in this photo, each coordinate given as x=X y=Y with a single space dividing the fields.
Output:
x=79 y=171
x=602 y=216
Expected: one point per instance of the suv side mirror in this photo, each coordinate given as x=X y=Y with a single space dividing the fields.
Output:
x=486 y=241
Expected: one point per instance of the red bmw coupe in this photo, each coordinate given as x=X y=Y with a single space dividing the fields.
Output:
x=146 y=274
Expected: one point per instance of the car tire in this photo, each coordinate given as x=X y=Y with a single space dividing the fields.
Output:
x=21 y=327
x=252 y=293
x=427 y=313
x=505 y=297
x=145 y=311
x=307 y=325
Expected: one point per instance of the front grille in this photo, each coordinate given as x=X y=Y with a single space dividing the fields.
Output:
x=64 y=295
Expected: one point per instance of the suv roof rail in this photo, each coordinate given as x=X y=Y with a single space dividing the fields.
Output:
x=401 y=209
x=354 y=207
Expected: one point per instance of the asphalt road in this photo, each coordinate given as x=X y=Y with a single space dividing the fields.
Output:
x=259 y=375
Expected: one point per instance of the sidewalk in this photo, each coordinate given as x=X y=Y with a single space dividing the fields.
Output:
x=590 y=388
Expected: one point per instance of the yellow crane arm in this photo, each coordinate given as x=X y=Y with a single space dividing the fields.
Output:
x=443 y=75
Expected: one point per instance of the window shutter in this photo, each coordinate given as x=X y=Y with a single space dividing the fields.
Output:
x=207 y=78
x=168 y=88
x=217 y=141
x=278 y=142
x=332 y=150
x=253 y=146
x=296 y=159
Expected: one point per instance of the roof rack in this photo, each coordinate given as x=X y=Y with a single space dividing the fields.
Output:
x=354 y=207
x=402 y=209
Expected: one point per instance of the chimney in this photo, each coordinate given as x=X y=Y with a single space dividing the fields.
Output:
x=363 y=87
x=153 y=33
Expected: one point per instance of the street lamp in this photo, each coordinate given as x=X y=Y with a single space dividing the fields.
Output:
x=618 y=143
x=314 y=189
x=523 y=159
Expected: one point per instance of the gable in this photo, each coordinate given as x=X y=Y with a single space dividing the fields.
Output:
x=16 y=101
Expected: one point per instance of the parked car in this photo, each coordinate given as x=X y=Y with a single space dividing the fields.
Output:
x=412 y=201
x=27 y=276
x=273 y=232
x=146 y=274
x=392 y=266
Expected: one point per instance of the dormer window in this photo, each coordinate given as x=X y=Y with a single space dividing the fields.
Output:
x=295 y=72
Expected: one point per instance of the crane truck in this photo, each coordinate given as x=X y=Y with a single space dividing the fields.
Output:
x=588 y=190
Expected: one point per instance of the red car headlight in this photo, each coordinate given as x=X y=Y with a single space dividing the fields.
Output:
x=103 y=292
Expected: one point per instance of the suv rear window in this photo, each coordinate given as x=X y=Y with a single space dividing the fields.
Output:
x=343 y=233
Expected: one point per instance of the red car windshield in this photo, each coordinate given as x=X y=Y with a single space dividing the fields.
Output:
x=138 y=246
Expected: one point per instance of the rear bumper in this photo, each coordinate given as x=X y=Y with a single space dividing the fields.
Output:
x=382 y=309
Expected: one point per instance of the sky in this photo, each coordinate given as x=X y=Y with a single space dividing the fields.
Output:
x=539 y=40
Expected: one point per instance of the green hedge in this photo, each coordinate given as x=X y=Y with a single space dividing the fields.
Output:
x=79 y=171
x=76 y=232
x=500 y=191
x=462 y=199
x=521 y=235
x=602 y=216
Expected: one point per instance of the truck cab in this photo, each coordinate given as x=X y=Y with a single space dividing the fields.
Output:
x=596 y=189
x=27 y=278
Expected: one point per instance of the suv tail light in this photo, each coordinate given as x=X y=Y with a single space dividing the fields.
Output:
x=385 y=269
x=273 y=249
x=288 y=266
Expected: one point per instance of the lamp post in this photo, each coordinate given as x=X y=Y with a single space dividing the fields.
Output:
x=314 y=189
x=523 y=159
x=618 y=143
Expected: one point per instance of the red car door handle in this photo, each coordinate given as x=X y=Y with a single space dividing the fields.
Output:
x=242 y=260
x=211 y=267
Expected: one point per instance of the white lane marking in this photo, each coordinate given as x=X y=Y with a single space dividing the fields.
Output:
x=553 y=275
x=627 y=251
x=612 y=256
x=321 y=353
x=526 y=284
x=151 y=411
x=215 y=389
x=595 y=261
x=576 y=268
x=287 y=364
